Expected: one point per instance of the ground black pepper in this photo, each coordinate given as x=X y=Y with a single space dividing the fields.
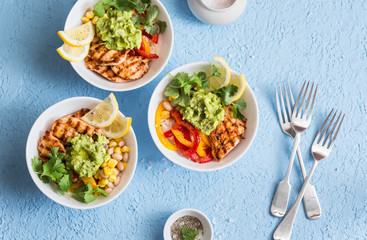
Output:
x=191 y=222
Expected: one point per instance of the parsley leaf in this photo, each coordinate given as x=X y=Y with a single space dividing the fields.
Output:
x=225 y=94
x=138 y=5
x=237 y=106
x=84 y=193
x=65 y=183
x=162 y=26
x=189 y=234
x=98 y=9
x=37 y=164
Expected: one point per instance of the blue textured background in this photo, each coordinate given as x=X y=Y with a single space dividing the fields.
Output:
x=272 y=42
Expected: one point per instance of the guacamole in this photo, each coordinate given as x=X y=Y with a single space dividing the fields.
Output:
x=119 y=32
x=204 y=111
x=86 y=155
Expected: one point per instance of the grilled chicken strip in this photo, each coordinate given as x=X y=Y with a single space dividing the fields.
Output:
x=45 y=144
x=134 y=67
x=69 y=127
x=227 y=135
x=105 y=57
x=105 y=71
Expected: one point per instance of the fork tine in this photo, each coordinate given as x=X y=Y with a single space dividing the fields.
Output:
x=297 y=102
x=278 y=106
x=327 y=129
x=303 y=100
x=337 y=131
x=283 y=106
x=332 y=131
x=288 y=105
x=308 y=103
x=291 y=95
x=313 y=103
x=323 y=125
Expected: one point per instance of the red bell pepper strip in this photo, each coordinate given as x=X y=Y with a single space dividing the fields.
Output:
x=146 y=55
x=195 y=157
x=208 y=156
x=75 y=175
x=168 y=134
x=154 y=38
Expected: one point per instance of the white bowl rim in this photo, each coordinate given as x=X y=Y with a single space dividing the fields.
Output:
x=183 y=212
x=114 y=89
x=182 y=164
x=34 y=177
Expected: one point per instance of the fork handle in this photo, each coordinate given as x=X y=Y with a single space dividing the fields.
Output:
x=310 y=199
x=284 y=229
x=296 y=141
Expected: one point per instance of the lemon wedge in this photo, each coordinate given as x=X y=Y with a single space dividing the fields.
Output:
x=240 y=82
x=118 y=128
x=225 y=73
x=78 y=36
x=73 y=54
x=104 y=113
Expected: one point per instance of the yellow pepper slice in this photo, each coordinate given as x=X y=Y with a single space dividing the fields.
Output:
x=159 y=130
x=200 y=151
x=91 y=180
x=205 y=138
x=179 y=135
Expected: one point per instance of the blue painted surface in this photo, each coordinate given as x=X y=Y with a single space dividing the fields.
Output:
x=272 y=42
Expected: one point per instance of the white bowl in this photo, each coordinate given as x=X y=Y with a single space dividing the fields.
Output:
x=164 y=50
x=214 y=16
x=44 y=122
x=251 y=113
x=207 y=225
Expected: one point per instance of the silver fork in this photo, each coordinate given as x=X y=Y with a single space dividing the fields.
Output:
x=320 y=150
x=300 y=121
x=310 y=200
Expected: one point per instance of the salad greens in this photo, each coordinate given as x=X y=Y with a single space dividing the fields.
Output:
x=84 y=193
x=182 y=85
x=189 y=234
x=146 y=18
x=53 y=170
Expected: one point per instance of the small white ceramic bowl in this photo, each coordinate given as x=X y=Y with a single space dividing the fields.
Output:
x=217 y=16
x=164 y=50
x=251 y=113
x=207 y=225
x=44 y=122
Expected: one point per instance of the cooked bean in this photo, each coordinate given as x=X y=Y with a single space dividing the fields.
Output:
x=167 y=106
x=126 y=157
x=102 y=174
x=120 y=166
x=110 y=150
x=110 y=185
x=117 y=156
x=117 y=181
x=121 y=143
x=108 y=190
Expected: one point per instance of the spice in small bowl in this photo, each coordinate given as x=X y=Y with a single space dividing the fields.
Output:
x=187 y=228
x=188 y=224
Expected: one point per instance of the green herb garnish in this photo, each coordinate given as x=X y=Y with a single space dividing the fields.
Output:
x=84 y=193
x=225 y=93
x=53 y=170
x=188 y=233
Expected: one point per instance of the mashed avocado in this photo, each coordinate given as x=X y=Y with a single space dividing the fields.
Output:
x=119 y=32
x=204 y=111
x=86 y=155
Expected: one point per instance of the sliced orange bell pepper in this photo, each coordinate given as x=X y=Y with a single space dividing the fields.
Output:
x=200 y=151
x=91 y=180
x=180 y=137
x=167 y=144
x=146 y=46
x=205 y=138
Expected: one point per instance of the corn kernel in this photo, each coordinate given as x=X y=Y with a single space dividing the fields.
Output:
x=125 y=149
x=165 y=114
x=104 y=164
x=108 y=171
x=89 y=15
x=103 y=182
x=96 y=176
x=96 y=194
x=171 y=98
x=85 y=19
x=125 y=165
x=118 y=140
x=95 y=20
x=112 y=144
x=117 y=150
x=112 y=178
x=112 y=163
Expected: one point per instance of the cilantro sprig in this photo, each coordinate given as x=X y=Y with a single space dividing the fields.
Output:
x=53 y=170
x=225 y=93
x=189 y=234
x=84 y=193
